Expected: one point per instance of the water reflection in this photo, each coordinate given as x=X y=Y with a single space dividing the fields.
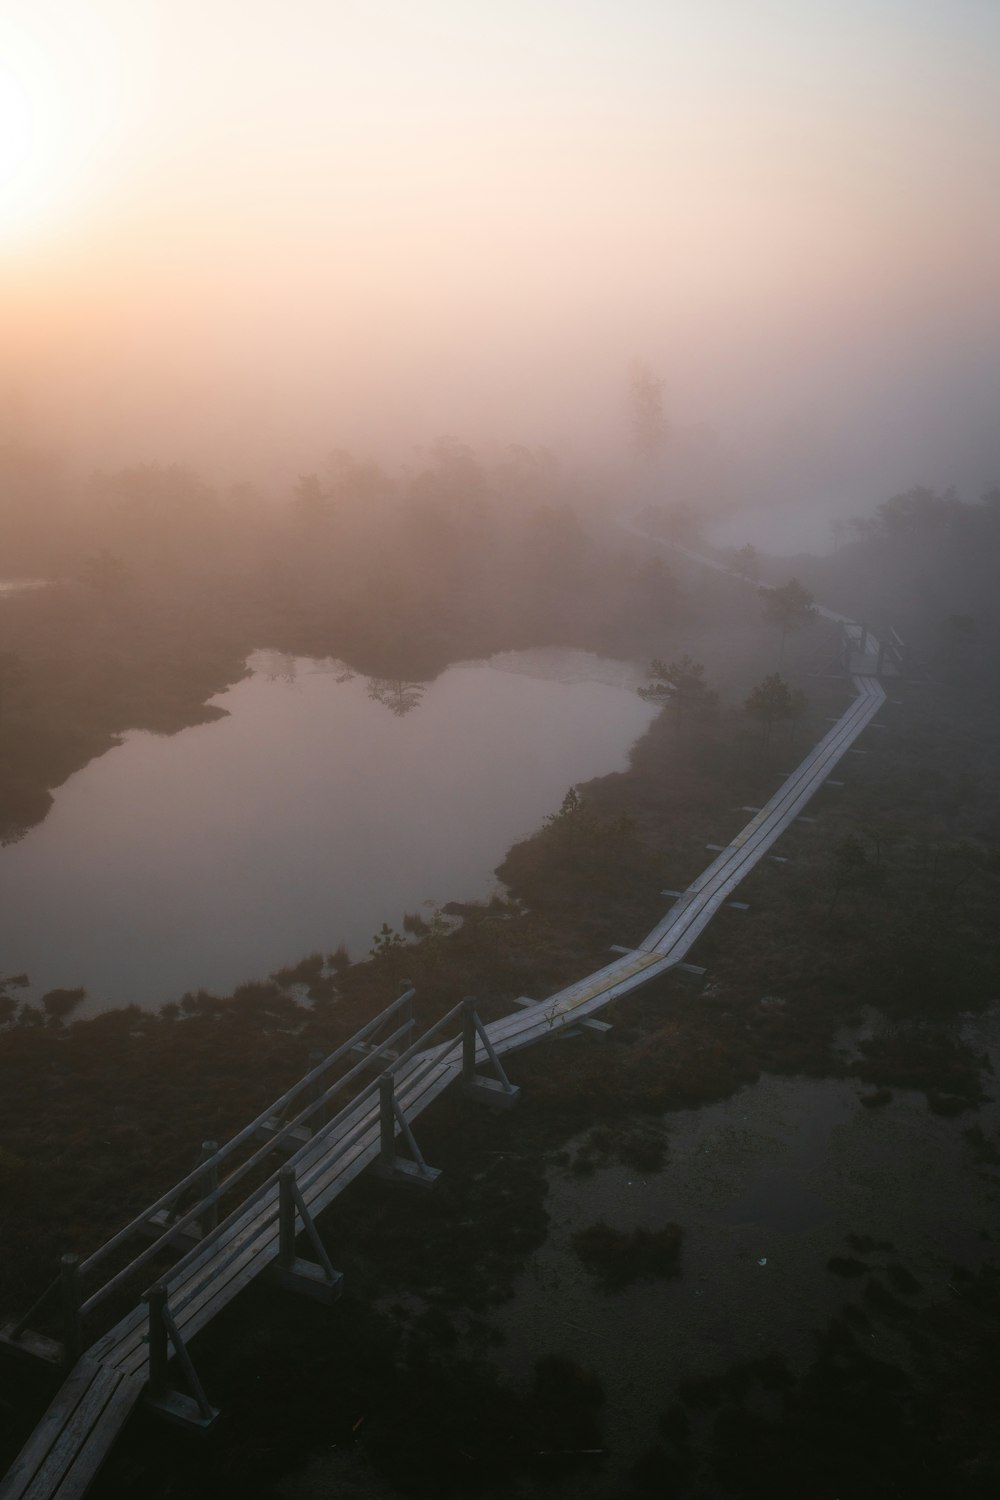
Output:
x=276 y=666
x=297 y=822
x=399 y=697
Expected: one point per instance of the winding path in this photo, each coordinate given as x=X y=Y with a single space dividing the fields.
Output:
x=69 y=1444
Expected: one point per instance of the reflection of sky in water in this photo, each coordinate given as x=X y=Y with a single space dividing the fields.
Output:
x=306 y=818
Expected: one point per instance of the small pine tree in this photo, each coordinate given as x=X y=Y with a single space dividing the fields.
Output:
x=772 y=702
x=649 y=425
x=680 y=683
x=789 y=607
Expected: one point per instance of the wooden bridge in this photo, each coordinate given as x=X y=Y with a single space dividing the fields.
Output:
x=386 y=1077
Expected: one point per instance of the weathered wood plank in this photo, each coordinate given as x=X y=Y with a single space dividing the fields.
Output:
x=57 y=1414
x=73 y=1435
x=98 y=1445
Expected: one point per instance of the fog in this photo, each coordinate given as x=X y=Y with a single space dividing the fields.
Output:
x=472 y=475
x=235 y=237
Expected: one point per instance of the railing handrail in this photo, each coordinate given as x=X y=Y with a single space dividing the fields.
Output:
x=243 y=1135
x=234 y=1178
x=321 y=1134
x=170 y=1234
x=418 y=1045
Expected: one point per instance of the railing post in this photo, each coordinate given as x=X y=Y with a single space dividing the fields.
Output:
x=190 y=1411
x=387 y=1118
x=389 y=1164
x=498 y=1091
x=209 y=1184
x=156 y=1300
x=69 y=1286
x=468 y=1038
x=286 y=1218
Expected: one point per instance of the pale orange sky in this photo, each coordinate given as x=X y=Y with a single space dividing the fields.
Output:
x=237 y=232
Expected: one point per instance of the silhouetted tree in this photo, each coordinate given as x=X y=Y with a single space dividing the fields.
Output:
x=648 y=424
x=57 y=1004
x=789 y=607
x=774 y=702
x=159 y=514
x=854 y=868
x=397 y=696
x=917 y=513
x=680 y=683
x=355 y=483
x=746 y=562
x=311 y=505
x=453 y=475
x=529 y=475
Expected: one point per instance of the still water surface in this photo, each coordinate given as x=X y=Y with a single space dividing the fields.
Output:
x=767 y=1186
x=323 y=805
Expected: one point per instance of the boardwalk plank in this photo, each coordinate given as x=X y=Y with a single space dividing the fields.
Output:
x=73 y=1435
x=101 y=1440
x=58 y=1413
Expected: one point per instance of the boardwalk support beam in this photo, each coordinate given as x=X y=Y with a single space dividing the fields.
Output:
x=498 y=1092
x=192 y=1410
x=412 y=1169
x=317 y=1278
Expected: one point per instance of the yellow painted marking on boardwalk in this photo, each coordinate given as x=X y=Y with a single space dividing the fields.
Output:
x=605 y=979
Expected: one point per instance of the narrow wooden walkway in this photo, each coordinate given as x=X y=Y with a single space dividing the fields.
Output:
x=76 y=1433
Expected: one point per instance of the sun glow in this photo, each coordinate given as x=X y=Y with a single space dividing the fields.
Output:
x=57 y=107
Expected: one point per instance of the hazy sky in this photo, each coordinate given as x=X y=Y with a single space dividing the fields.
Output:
x=234 y=231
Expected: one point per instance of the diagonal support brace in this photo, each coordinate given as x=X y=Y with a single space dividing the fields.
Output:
x=192 y=1410
x=499 y=1091
x=412 y=1169
x=317 y=1278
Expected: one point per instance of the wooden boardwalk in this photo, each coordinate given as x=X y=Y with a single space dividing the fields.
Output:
x=73 y=1438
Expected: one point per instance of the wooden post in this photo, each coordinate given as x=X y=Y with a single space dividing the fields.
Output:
x=188 y=1411
x=316 y=1278
x=209 y=1184
x=468 y=1038
x=286 y=1218
x=156 y=1300
x=498 y=1091
x=387 y=1118
x=69 y=1286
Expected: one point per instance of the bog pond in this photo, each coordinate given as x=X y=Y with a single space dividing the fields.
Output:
x=323 y=804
